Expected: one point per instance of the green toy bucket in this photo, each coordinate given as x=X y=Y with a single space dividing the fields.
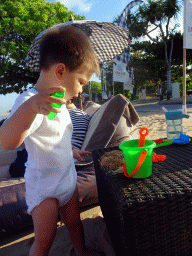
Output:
x=138 y=160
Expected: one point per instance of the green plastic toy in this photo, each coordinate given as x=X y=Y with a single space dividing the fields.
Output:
x=132 y=154
x=166 y=143
x=52 y=115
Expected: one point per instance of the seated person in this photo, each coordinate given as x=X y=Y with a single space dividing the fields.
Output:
x=80 y=121
x=86 y=180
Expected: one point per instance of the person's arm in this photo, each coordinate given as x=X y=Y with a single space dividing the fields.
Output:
x=78 y=154
x=15 y=129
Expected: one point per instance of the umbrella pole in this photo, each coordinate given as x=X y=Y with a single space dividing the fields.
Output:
x=80 y=102
x=184 y=82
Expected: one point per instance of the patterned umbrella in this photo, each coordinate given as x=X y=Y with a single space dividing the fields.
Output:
x=107 y=39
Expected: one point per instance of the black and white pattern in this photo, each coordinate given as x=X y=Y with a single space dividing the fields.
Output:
x=107 y=39
x=125 y=57
x=122 y=22
x=80 y=121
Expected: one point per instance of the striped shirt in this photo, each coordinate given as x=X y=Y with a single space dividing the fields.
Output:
x=80 y=121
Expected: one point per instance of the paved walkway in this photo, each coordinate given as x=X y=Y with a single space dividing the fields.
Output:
x=154 y=105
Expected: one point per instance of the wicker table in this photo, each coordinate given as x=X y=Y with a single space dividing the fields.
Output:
x=152 y=216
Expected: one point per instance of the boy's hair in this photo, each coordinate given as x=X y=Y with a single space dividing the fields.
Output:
x=68 y=45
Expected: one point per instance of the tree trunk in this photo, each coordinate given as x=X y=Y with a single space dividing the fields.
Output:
x=168 y=60
x=169 y=82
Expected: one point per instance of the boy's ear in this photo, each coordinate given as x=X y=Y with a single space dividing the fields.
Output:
x=60 y=71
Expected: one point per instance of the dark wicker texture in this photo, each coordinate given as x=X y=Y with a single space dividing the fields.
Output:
x=151 y=216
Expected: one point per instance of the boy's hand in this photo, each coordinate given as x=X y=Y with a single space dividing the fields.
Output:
x=78 y=154
x=40 y=103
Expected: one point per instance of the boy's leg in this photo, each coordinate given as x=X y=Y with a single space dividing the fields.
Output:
x=70 y=214
x=45 y=218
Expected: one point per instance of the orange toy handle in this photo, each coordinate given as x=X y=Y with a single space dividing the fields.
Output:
x=142 y=136
x=141 y=160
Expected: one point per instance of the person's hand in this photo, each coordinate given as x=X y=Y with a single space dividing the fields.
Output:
x=78 y=154
x=40 y=103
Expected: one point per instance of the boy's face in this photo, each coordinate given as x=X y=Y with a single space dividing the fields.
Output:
x=74 y=81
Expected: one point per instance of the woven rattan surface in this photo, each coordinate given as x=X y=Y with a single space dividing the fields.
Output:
x=151 y=216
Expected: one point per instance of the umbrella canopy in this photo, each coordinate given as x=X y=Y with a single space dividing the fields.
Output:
x=107 y=39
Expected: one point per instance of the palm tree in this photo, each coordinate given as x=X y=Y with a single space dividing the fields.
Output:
x=156 y=16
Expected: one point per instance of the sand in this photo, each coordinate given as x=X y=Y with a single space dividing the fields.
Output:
x=156 y=124
x=95 y=229
x=5 y=114
x=95 y=233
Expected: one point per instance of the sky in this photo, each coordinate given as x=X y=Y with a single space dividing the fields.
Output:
x=99 y=10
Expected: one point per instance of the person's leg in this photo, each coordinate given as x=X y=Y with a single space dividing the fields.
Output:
x=45 y=218
x=70 y=214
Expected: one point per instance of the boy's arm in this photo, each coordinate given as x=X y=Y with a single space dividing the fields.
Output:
x=15 y=129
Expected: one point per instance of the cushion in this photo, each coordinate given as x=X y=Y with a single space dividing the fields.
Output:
x=17 y=168
x=123 y=132
x=80 y=122
x=13 y=209
x=4 y=172
x=119 y=113
x=8 y=156
x=91 y=107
